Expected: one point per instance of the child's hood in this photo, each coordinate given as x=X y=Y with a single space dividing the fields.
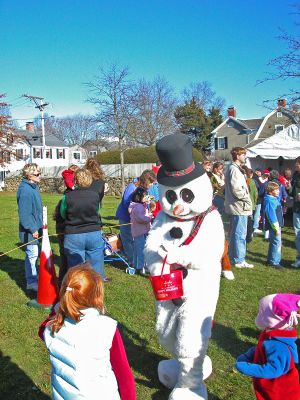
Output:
x=291 y=343
x=132 y=205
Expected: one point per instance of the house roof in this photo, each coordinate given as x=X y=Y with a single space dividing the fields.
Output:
x=35 y=138
x=283 y=110
x=252 y=124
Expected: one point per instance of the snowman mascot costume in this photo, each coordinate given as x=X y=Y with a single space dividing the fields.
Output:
x=189 y=234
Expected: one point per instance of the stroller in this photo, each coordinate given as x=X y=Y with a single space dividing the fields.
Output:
x=112 y=246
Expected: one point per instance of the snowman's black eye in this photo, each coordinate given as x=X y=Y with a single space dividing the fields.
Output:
x=171 y=196
x=187 y=195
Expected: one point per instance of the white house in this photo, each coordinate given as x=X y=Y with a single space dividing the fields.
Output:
x=28 y=147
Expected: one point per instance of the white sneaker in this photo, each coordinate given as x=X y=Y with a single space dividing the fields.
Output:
x=228 y=275
x=32 y=286
x=296 y=264
x=258 y=231
x=244 y=264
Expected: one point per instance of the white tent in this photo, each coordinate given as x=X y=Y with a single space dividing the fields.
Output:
x=285 y=144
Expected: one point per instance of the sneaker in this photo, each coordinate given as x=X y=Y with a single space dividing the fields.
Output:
x=258 y=231
x=296 y=264
x=244 y=264
x=228 y=275
x=32 y=286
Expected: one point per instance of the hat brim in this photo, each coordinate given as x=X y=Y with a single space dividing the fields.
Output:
x=173 y=181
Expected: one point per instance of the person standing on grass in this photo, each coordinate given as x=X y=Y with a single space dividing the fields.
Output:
x=238 y=205
x=295 y=193
x=83 y=239
x=140 y=219
x=218 y=183
x=30 y=210
x=253 y=196
x=145 y=181
x=87 y=354
x=257 y=213
x=273 y=216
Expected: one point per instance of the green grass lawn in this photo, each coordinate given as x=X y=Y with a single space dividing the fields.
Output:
x=24 y=363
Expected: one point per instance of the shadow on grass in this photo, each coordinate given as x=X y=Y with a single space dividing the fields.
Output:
x=143 y=361
x=14 y=267
x=15 y=384
x=227 y=339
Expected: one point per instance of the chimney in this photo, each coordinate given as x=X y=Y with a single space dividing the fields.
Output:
x=231 y=111
x=281 y=103
x=29 y=127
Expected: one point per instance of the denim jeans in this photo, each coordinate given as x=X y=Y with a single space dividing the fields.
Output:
x=85 y=247
x=256 y=216
x=127 y=240
x=296 y=223
x=31 y=256
x=237 y=238
x=138 y=251
x=274 y=253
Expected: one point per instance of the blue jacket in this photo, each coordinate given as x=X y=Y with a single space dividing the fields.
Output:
x=122 y=211
x=272 y=212
x=278 y=351
x=30 y=210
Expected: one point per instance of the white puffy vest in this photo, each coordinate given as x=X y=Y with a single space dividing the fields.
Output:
x=80 y=358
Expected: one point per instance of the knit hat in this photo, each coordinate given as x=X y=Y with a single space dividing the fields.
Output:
x=278 y=311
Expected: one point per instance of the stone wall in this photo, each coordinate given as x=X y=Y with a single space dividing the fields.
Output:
x=56 y=185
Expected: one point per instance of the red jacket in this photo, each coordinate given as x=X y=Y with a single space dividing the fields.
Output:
x=68 y=176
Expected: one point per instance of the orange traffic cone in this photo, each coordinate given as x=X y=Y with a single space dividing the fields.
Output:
x=47 y=288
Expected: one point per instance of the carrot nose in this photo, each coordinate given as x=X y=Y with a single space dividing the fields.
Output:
x=177 y=210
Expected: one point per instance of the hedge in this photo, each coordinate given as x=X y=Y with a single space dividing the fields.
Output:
x=137 y=155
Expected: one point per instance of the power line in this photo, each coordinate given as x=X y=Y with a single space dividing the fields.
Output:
x=41 y=105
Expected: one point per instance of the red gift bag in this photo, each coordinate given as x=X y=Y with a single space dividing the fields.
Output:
x=167 y=286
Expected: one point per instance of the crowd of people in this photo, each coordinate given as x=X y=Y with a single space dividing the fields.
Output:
x=255 y=202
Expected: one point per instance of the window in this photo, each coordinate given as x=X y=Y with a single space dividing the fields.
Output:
x=279 y=114
x=76 y=155
x=19 y=154
x=48 y=153
x=221 y=143
x=5 y=156
x=37 y=152
x=93 y=153
x=278 y=128
x=230 y=124
x=60 y=153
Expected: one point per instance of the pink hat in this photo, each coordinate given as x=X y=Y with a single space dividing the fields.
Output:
x=278 y=311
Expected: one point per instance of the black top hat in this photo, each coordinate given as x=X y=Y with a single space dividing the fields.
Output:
x=178 y=167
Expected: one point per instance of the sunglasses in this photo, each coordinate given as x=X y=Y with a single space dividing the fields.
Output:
x=39 y=174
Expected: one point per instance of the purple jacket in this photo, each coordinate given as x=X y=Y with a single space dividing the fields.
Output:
x=140 y=220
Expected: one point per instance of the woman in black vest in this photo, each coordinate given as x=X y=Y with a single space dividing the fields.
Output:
x=80 y=209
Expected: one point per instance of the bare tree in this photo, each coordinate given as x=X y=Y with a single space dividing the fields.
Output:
x=72 y=129
x=8 y=133
x=154 y=106
x=112 y=94
x=204 y=95
x=287 y=65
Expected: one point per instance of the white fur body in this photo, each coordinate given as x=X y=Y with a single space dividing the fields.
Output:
x=185 y=330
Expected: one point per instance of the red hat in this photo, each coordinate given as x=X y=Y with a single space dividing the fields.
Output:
x=266 y=172
x=155 y=168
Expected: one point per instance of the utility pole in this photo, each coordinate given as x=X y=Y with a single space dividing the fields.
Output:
x=39 y=103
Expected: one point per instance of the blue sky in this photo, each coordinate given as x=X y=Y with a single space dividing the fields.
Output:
x=50 y=48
